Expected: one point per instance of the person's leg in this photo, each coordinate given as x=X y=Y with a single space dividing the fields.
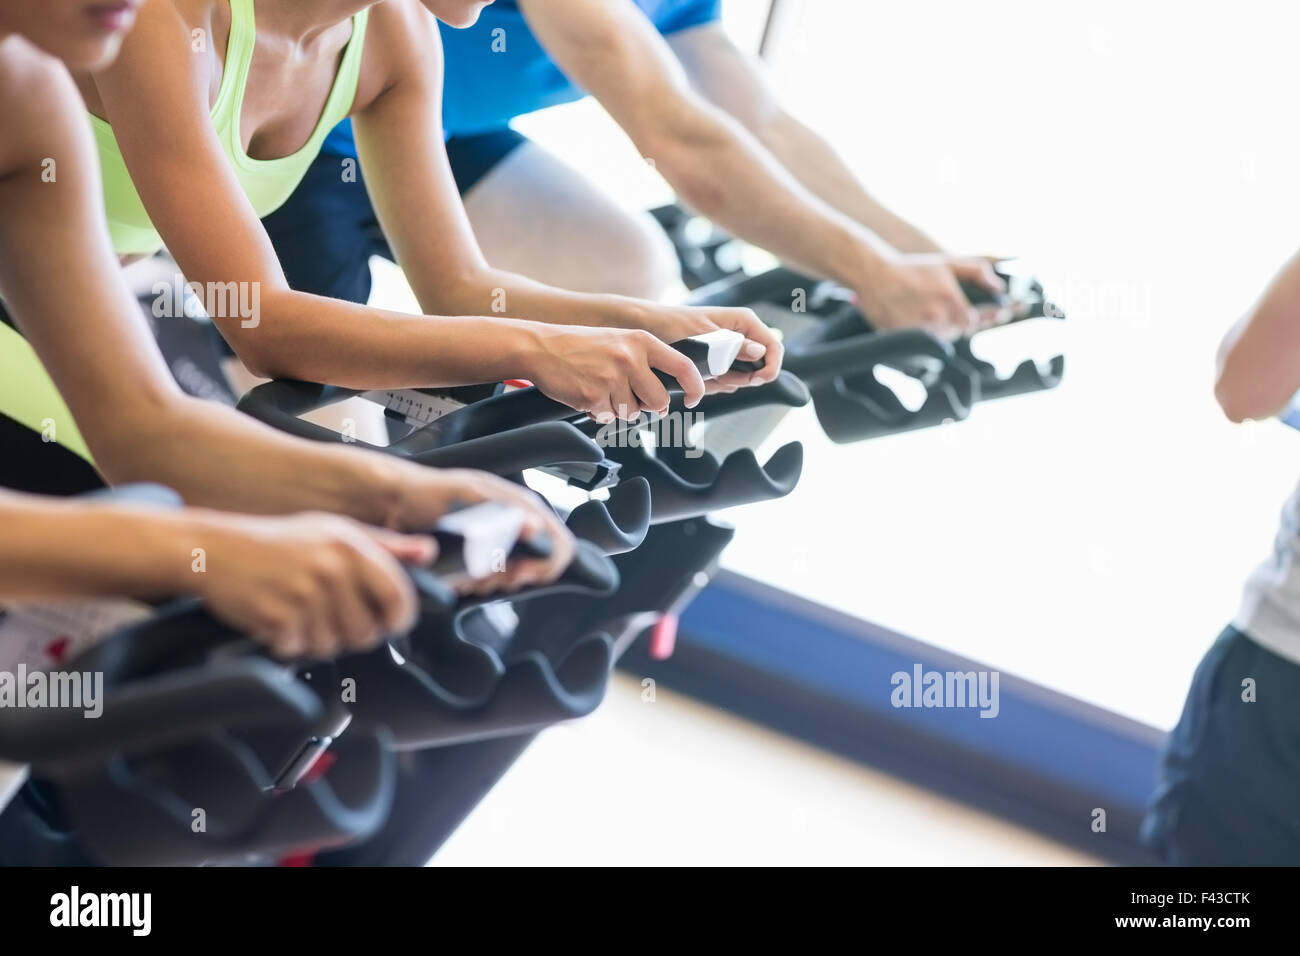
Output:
x=536 y=216
x=1229 y=791
x=33 y=832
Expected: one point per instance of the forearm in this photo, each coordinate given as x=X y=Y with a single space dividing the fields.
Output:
x=483 y=290
x=58 y=548
x=317 y=339
x=219 y=459
x=734 y=81
x=141 y=427
x=814 y=162
x=717 y=167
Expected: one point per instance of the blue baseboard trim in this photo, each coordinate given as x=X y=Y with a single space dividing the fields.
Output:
x=1046 y=761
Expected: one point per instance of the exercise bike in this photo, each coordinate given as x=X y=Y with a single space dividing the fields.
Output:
x=834 y=348
x=663 y=558
x=205 y=750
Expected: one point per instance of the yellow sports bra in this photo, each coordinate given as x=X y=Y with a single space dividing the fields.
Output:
x=267 y=183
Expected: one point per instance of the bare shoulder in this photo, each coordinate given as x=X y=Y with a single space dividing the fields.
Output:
x=402 y=43
x=39 y=105
x=197 y=14
x=202 y=19
x=171 y=59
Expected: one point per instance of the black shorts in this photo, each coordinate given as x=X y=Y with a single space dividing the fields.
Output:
x=326 y=232
x=1229 y=788
x=28 y=463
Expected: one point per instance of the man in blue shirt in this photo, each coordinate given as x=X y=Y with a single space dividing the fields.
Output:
x=694 y=104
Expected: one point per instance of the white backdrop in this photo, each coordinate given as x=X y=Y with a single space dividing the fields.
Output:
x=1143 y=157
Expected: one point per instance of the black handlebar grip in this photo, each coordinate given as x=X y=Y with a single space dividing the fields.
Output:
x=506 y=453
x=977 y=295
x=509 y=410
x=618 y=525
x=785 y=390
x=434 y=595
x=539 y=547
x=826 y=360
x=160 y=712
x=744 y=290
x=591 y=571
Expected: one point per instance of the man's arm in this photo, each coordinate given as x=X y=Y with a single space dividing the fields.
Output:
x=1259 y=360
x=718 y=167
x=735 y=81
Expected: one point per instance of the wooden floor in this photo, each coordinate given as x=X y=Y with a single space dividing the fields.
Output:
x=676 y=783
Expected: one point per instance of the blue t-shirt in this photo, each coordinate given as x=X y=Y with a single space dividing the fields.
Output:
x=496 y=70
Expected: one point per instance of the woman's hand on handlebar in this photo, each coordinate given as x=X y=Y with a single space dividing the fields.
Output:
x=608 y=373
x=674 y=323
x=310 y=584
x=426 y=494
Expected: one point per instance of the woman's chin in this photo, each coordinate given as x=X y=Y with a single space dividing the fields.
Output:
x=457 y=15
x=85 y=54
x=96 y=55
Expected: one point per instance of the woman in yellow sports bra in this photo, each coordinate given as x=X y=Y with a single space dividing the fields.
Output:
x=64 y=291
x=208 y=121
x=266 y=183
